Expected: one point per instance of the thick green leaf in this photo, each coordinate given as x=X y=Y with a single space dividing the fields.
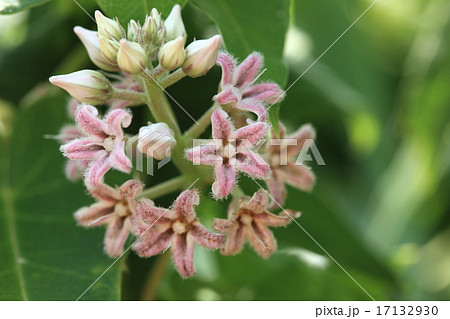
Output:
x=248 y=26
x=43 y=254
x=136 y=9
x=14 y=6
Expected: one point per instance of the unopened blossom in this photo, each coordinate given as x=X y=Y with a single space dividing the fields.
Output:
x=174 y=24
x=156 y=140
x=230 y=152
x=91 y=43
x=131 y=57
x=176 y=227
x=86 y=86
x=109 y=28
x=113 y=208
x=172 y=55
x=282 y=155
x=102 y=143
x=248 y=218
x=238 y=88
x=201 y=55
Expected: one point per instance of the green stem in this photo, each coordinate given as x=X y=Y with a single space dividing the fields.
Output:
x=164 y=188
x=202 y=124
x=155 y=277
x=137 y=98
x=172 y=78
x=158 y=71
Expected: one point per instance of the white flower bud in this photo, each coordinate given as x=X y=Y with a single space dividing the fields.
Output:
x=131 y=57
x=109 y=49
x=109 y=28
x=174 y=24
x=91 y=43
x=153 y=23
x=201 y=55
x=156 y=140
x=85 y=86
x=172 y=55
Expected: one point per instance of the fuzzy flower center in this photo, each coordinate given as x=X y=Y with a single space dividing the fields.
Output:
x=108 y=144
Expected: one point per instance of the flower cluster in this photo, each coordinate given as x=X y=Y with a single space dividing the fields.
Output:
x=149 y=58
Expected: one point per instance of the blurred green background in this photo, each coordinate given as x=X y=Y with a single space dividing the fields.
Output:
x=379 y=100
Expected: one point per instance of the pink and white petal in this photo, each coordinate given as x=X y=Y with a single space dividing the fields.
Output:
x=264 y=92
x=225 y=180
x=252 y=164
x=91 y=216
x=184 y=204
x=221 y=125
x=203 y=154
x=206 y=238
x=277 y=190
x=115 y=120
x=298 y=176
x=304 y=133
x=119 y=160
x=250 y=134
x=152 y=214
x=69 y=133
x=222 y=226
x=229 y=94
x=228 y=65
x=96 y=171
x=183 y=254
x=129 y=191
x=258 y=203
x=74 y=169
x=106 y=193
x=253 y=106
x=116 y=234
x=87 y=117
x=153 y=242
x=246 y=72
x=281 y=219
x=82 y=149
x=235 y=240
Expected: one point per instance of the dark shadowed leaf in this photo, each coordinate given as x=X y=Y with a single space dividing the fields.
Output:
x=43 y=254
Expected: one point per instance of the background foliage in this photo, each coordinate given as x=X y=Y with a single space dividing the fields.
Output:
x=379 y=100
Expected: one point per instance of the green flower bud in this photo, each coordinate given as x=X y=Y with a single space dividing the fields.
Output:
x=109 y=28
x=134 y=30
x=85 y=86
x=109 y=49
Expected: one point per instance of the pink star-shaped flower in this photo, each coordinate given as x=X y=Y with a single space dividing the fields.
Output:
x=102 y=144
x=176 y=227
x=282 y=159
x=249 y=218
x=113 y=209
x=230 y=152
x=238 y=87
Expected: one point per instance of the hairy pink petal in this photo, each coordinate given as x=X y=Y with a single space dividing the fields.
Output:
x=203 y=154
x=155 y=241
x=225 y=180
x=184 y=204
x=116 y=235
x=221 y=125
x=74 y=169
x=151 y=214
x=206 y=238
x=90 y=216
x=281 y=219
x=253 y=106
x=297 y=175
x=129 y=191
x=264 y=92
x=82 y=149
x=276 y=189
x=228 y=95
x=87 y=117
x=252 y=164
x=119 y=160
x=227 y=64
x=248 y=69
x=251 y=133
x=69 y=133
x=235 y=240
x=305 y=132
x=97 y=170
x=263 y=240
x=114 y=122
x=183 y=254
x=222 y=226
x=105 y=193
